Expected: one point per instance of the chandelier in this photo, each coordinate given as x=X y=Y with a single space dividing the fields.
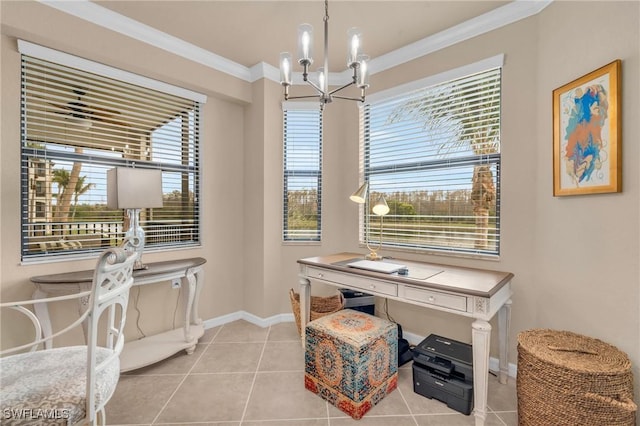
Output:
x=356 y=61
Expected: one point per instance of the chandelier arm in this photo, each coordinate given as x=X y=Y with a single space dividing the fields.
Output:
x=312 y=84
x=348 y=98
x=303 y=97
x=340 y=88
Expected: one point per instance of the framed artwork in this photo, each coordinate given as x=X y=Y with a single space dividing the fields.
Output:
x=587 y=155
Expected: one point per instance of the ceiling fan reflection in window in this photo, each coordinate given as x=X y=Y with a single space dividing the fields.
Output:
x=79 y=113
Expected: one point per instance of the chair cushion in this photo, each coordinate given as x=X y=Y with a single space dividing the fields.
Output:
x=52 y=383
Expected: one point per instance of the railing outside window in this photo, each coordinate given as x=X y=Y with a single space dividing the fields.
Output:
x=76 y=125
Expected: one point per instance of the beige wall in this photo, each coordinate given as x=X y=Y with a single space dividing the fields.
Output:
x=222 y=153
x=575 y=259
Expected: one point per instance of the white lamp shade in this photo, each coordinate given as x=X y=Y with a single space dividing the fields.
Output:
x=360 y=196
x=134 y=188
x=381 y=207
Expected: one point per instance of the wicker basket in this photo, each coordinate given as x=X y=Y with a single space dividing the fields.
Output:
x=320 y=306
x=568 y=379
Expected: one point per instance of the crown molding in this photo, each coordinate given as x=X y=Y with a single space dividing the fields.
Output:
x=113 y=21
x=98 y=15
x=497 y=18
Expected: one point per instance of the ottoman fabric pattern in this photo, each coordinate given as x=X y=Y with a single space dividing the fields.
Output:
x=351 y=360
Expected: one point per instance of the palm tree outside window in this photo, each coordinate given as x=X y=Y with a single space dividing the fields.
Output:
x=77 y=125
x=434 y=152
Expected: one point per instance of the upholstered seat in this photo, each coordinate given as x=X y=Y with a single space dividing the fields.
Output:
x=71 y=385
x=55 y=380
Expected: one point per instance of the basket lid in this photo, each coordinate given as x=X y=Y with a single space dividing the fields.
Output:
x=574 y=351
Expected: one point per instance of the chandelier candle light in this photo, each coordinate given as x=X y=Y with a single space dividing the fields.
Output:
x=356 y=61
x=380 y=209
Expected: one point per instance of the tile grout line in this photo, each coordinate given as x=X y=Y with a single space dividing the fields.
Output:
x=405 y=400
x=184 y=378
x=255 y=375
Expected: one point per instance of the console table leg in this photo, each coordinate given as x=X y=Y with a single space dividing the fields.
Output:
x=480 y=337
x=195 y=317
x=504 y=322
x=190 y=283
x=42 y=312
x=305 y=305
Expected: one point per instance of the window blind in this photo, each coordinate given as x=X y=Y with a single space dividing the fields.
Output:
x=302 y=190
x=76 y=125
x=434 y=153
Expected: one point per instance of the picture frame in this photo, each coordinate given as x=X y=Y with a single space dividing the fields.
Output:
x=587 y=151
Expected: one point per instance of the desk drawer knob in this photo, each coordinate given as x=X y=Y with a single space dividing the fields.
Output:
x=431 y=299
x=320 y=275
x=372 y=286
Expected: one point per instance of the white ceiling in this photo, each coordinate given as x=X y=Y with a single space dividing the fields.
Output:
x=250 y=32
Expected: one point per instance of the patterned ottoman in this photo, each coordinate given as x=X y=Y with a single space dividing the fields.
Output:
x=351 y=360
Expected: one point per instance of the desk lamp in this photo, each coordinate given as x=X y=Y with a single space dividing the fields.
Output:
x=133 y=190
x=380 y=209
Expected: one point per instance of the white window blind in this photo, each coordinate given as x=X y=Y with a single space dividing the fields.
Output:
x=76 y=125
x=434 y=153
x=302 y=191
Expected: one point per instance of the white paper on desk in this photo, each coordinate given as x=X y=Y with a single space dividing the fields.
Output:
x=377 y=266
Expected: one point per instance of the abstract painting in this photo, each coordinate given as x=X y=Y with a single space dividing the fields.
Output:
x=587 y=156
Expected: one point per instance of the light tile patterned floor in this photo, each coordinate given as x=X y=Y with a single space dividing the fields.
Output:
x=241 y=374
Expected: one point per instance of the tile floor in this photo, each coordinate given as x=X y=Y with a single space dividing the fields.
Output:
x=242 y=375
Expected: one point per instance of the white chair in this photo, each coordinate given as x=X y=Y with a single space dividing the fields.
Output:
x=71 y=385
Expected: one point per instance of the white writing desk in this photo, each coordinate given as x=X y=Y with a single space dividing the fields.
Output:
x=148 y=350
x=474 y=293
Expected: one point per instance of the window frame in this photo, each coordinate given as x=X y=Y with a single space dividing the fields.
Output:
x=368 y=223
x=44 y=152
x=312 y=236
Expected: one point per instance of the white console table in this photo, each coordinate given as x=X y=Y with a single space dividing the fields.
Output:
x=148 y=350
x=474 y=293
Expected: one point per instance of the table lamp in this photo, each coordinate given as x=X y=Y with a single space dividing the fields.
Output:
x=380 y=209
x=133 y=190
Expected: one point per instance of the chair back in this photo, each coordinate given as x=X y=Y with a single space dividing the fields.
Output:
x=112 y=281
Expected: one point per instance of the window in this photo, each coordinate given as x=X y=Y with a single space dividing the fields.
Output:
x=433 y=150
x=76 y=125
x=302 y=162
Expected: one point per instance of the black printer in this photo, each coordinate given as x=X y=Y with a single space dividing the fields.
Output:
x=443 y=369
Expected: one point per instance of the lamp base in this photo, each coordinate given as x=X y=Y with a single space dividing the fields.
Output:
x=373 y=256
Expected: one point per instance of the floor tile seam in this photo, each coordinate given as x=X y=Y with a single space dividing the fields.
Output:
x=236 y=343
x=279 y=371
x=213 y=338
x=219 y=373
x=255 y=375
x=371 y=416
x=500 y=418
x=164 y=406
x=407 y=405
x=290 y=419
x=153 y=374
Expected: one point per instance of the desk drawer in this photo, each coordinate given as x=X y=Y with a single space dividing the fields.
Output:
x=352 y=281
x=451 y=301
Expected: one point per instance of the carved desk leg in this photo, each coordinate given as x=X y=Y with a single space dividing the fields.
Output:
x=480 y=338
x=504 y=322
x=305 y=305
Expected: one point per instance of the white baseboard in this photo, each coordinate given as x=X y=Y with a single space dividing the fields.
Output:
x=412 y=338
x=253 y=319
